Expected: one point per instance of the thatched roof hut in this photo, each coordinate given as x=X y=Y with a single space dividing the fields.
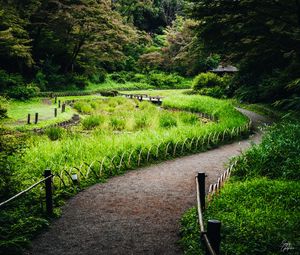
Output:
x=224 y=69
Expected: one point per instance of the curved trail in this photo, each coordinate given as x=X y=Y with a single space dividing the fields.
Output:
x=139 y=212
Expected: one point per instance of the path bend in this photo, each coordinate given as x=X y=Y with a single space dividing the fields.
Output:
x=136 y=213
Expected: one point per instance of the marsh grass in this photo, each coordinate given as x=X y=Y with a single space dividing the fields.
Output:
x=55 y=133
x=115 y=135
x=166 y=120
x=91 y=122
x=145 y=126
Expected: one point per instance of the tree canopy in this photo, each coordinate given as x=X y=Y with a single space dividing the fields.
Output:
x=262 y=37
x=53 y=43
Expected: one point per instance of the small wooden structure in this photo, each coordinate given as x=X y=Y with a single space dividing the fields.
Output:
x=225 y=70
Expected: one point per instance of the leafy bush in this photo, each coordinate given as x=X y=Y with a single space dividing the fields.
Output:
x=41 y=80
x=117 y=77
x=151 y=61
x=138 y=77
x=80 y=81
x=56 y=81
x=3 y=108
x=217 y=92
x=8 y=81
x=110 y=93
x=9 y=147
x=206 y=80
x=98 y=77
x=166 y=120
x=92 y=122
x=276 y=157
x=210 y=84
x=54 y=133
x=190 y=233
x=163 y=80
x=23 y=92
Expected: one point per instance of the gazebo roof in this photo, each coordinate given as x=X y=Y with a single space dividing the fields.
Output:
x=225 y=69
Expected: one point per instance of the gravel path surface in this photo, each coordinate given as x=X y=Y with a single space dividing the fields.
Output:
x=137 y=213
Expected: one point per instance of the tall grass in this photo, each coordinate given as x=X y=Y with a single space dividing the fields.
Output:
x=259 y=207
x=277 y=157
x=259 y=216
x=76 y=148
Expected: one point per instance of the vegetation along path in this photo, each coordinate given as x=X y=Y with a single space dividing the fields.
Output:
x=139 y=212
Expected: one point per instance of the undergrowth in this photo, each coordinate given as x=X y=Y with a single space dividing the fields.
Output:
x=259 y=207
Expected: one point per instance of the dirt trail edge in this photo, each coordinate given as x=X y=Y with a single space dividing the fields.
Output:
x=139 y=212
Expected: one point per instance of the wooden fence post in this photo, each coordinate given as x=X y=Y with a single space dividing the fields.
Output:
x=201 y=181
x=63 y=108
x=58 y=103
x=214 y=235
x=36 y=118
x=55 y=100
x=48 y=186
x=55 y=112
x=28 y=118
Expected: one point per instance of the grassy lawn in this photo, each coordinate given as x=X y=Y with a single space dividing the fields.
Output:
x=18 y=111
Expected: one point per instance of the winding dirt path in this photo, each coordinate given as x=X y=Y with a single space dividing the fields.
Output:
x=139 y=212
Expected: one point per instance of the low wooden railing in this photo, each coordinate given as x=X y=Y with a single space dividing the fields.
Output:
x=212 y=237
x=48 y=187
x=145 y=97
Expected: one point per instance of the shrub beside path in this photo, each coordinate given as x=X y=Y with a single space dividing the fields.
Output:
x=139 y=212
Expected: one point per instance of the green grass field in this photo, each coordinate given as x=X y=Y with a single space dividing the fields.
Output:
x=18 y=110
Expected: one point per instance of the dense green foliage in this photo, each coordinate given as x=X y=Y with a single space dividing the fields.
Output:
x=262 y=37
x=52 y=42
x=210 y=84
x=64 y=45
x=3 y=108
x=150 y=16
x=277 y=157
x=259 y=207
x=259 y=216
x=153 y=79
x=206 y=80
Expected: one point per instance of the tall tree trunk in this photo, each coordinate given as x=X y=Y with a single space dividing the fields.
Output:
x=75 y=53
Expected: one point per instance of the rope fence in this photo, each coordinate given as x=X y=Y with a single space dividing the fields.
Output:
x=89 y=172
x=136 y=157
x=211 y=237
x=48 y=187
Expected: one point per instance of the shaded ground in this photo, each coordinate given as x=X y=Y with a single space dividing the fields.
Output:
x=137 y=213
